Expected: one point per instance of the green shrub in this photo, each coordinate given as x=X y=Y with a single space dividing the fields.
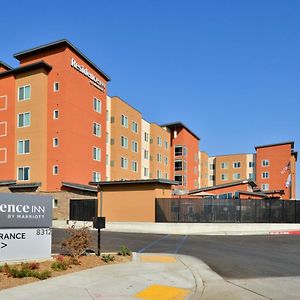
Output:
x=124 y=251
x=41 y=275
x=107 y=258
x=60 y=264
x=30 y=266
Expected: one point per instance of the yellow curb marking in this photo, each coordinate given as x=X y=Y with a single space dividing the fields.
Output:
x=161 y=292
x=157 y=258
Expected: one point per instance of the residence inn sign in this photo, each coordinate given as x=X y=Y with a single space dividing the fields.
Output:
x=24 y=211
x=25 y=222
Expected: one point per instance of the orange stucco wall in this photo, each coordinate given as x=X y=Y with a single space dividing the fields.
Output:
x=132 y=203
x=7 y=128
x=184 y=137
x=278 y=157
x=73 y=128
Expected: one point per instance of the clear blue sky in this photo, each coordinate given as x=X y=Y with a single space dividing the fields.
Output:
x=229 y=70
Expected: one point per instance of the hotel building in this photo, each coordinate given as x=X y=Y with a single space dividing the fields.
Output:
x=58 y=124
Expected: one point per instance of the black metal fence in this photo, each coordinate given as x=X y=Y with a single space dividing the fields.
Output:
x=82 y=209
x=210 y=210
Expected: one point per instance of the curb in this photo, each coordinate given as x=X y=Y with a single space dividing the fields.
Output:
x=284 y=232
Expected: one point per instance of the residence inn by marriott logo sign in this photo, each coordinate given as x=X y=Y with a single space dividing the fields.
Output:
x=19 y=211
x=93 y=79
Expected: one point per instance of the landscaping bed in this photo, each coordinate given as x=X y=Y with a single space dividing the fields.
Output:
x=86 y=262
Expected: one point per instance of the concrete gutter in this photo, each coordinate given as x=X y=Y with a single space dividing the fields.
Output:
x=191 y=228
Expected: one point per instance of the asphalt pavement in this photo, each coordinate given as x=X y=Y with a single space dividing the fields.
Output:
x=232 y=257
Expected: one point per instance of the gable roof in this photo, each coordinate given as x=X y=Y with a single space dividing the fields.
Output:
x=179 y=124
x=55 y=45
x=6 y=66
x=278 y=144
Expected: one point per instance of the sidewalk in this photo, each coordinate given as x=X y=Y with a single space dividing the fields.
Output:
x=148 y=276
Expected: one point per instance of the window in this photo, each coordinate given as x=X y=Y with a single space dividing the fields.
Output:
x=97 y=105
x=96 y=176
x=96 y=154
x=178 y=165
x=55 y=203
x=159 y=157
x=178 y=150
x=134 y=126
x=236 y=176
x=146 y=172
x=124 y=121
x=224 y=165
x=224 y=177
x=107 y=159
x=96 y=129
x=24 y=93
x=106 y=137
x=55 y=170
x=134 y=146
x=55 y=114
x=166 y=160
x=166 y=144
x=146 y=137
x=265 y=163
x=56 y=86
x=179 y=179
x=265 y=175
x=124 y=142
x=265 y=187
x=23 y=173
x=159 y=141
x=146 y=154
x=55 y=142
x=24 y=119
x=134 y=166
x=159 y=174
x=124 y=163
x=251 y=164
x=251 y=176
x=211 y=177
x=211 y=166
x=236 y=165
x=23 y=146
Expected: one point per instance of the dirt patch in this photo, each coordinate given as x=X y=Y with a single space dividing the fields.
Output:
x=86 y=262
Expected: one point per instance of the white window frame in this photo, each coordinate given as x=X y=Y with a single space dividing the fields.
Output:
x=97 y=126
x=146 y=136
x=23 y=147
x=134 y=166
x=124 y=142
x=134 y=127
x=23 y=173
x=95 y=176
x=224 y=165
x=24 y=86
x=146 y=154
x=159 y=157
x=124 y=160
x=97 y=105
x=265 y=187
x=5 y=155
x=55 y=167
x=225 y=177
x=265 y=175
x=96 y=153
x=54 y=144
x=159 y=141
x=54 y=114
x=236 y=163
x=56 y=84
x=5 y=128
x=234 y=176
x=166 y=160
x=5 y=97
x=134 y=146
x=265 y=163
x=124 y=121
x=24 y=126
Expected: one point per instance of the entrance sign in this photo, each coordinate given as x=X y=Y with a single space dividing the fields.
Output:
x=24 y=244
x=25 y=211
x=25 y=222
